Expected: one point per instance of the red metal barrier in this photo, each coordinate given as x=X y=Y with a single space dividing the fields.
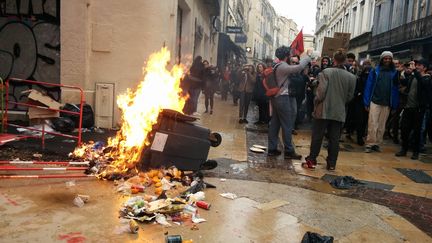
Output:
x=80 y=113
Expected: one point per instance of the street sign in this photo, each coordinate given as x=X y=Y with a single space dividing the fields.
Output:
x=240 y=38
x=234 y=29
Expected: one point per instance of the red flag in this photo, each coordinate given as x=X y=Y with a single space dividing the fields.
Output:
x=297 y=46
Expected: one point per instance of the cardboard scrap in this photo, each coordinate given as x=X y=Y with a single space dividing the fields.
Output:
x=37 y=98
x=273 y=204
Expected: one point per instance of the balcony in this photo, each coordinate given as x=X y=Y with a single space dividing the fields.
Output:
x=403 y=35
x=322 y=23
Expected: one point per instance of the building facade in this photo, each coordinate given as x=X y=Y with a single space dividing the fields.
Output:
x=90 y=42
x=347 y=16
x=402 y=27
x=233 y=36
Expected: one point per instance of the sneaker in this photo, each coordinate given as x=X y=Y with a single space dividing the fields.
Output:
x=368 y=149
x=274 y=152
x=294 y=132
x=292 y=155
x=313 y=161
x=401 y=153
x=309 y=164
x=330 y=168
x=415 y=156
x=376 y=148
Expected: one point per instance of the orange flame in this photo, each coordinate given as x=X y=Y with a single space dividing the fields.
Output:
x=159 y=90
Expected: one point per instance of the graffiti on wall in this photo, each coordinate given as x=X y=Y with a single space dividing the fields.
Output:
x=30 y=44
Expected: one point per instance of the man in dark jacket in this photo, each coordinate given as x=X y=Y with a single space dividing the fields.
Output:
x=335 y=89
x=380 y=96
x=418 y=92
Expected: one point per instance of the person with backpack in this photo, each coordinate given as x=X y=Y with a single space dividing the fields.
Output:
x=335 y=89
x=380 y=96
x=283 y=104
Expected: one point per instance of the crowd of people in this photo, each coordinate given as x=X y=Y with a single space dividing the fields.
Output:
x=338 y=94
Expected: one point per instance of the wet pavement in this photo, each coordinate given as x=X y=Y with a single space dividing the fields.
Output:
x=399 y=210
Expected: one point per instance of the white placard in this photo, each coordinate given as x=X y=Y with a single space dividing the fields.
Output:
x=159 y=141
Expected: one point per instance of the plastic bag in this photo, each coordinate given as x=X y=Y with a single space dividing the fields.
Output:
x=310 y=237
x=63 y=124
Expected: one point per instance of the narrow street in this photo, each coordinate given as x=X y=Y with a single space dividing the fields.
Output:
x=44 y=212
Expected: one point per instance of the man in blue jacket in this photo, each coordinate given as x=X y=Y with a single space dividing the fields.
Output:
x=381 y=95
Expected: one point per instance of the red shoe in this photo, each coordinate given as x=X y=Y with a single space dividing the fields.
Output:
x=309 y=164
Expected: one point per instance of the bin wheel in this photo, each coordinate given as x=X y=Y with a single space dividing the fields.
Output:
x=209 y=165
x=215 y=139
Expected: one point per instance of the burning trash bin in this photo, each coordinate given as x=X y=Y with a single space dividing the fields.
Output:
x=177 y=141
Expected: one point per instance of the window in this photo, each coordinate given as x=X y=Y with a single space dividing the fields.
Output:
x=389 y=26
x=354 y=16
x=360 y=23
x=405 y=12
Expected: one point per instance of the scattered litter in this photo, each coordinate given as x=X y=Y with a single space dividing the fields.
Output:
x=239 y=167
x=70 y=183
x=37 y=155
x=196 y=219
x=85 y=198
x=310 y=237
x=229 y=195
x=133 y=226
x=257 y=150
x=68 y=141
x=173 y=239
x=345 y=182
x=78 y=202
x=259 y=146
x=29 y=132
x=194 y=227
x=222 y=179
x=162 y=220
x=203 y=204
x=199 y=196
x=271 y=205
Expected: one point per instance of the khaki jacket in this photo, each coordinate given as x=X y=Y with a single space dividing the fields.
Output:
x=335 y=89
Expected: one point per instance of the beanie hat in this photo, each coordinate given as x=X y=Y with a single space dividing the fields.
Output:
x=386 y=54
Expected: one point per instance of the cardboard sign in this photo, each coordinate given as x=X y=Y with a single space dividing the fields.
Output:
x=343 y=36
x=330 y=46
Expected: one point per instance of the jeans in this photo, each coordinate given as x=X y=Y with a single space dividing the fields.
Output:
x=284 y=112
x=245 y=99
x=333 y=128
x=263 y=109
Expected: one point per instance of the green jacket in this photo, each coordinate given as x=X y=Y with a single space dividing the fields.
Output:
x=335 y=89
